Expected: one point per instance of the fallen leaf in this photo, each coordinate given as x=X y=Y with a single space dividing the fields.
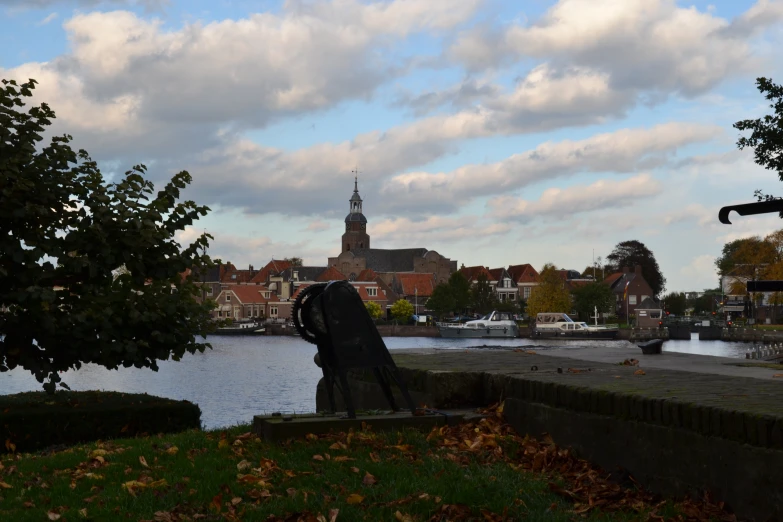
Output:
x=217 y=502
x=374 y=457
x=317 y=457
x=5 y=485
x=355 y=469
x=83 y=512
x=368 y=479
x=52 y=515
x=354 y=498
x=235 y=501
x=244 y=465
x=98 y=453
x=333 y=514
x=639 y=372
x=342 y=458
x=223 y=444
x=403 y=517
x=172 y=450
x=291 y=492
x=143 y=462
x=10 y=446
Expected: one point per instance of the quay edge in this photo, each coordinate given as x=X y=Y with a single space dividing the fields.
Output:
x=676 y=432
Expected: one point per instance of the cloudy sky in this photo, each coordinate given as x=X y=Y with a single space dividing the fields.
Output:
x=496 y=132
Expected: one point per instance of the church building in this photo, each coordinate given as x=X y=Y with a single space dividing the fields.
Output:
x=394 y=266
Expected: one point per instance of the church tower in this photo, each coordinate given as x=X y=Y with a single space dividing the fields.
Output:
x=355 y=236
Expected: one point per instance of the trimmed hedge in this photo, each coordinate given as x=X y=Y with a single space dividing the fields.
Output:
x=35 y=420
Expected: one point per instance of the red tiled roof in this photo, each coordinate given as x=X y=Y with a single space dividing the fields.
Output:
x=242 y=276
x=368 y=274
x=612 y=279
x=331 y=274
x=523 y=273
x=471 y=273
x=271 y=268
x=249 y=294
x=496 y=273
x=362 y=289
x=417 y=284
x=298 y=291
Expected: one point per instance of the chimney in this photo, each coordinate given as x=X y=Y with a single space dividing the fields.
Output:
x=625 y=270
x=251 y=268
x=637 y=270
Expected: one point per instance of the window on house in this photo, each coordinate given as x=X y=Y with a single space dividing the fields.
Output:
x=233 y=276
x=372 y=291
x=220 y=314
x=249 y=311
x=527 y=292
x=347 y=246
x=296 y=275
x=512 y=297
x=272 y=311
x=631 y=299
x=228 y=297
x=209 y=290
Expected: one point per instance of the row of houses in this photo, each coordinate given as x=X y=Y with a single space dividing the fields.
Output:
x=269 y=293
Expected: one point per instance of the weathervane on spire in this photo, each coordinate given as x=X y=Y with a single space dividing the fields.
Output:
x=355 y=179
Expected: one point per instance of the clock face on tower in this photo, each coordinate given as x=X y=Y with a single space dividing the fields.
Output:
x=347 y=227
x=363 y=226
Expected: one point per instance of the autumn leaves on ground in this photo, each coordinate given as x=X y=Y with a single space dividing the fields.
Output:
x=481 y=471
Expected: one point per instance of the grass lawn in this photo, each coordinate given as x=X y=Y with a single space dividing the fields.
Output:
x=481 y=471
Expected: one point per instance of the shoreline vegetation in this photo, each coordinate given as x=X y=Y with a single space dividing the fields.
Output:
x=477 y=471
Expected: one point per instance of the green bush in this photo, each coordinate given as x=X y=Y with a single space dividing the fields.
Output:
x=34 y=420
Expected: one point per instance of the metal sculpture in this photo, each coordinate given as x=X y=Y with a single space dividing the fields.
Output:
x=333 y=317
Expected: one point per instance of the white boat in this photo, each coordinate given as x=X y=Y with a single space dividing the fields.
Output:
x=561 y=326
x=241 y=328
x=494 y=324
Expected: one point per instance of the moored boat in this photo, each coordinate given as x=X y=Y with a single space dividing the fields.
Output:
x=251 y=328
x=494 y=325
x=563 y=327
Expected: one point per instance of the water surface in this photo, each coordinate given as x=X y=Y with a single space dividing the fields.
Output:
x=245 y=376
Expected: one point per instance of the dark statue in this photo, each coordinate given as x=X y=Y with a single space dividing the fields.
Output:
x=333 y=317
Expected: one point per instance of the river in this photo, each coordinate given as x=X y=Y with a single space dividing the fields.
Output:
x=245 y=376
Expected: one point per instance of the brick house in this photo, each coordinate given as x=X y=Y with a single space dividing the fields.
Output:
x=637 y=290
x=235 y=276
x=414 y=288
x=369 y=291
x=525 y=277
x=504 y=285
x=472 y=274
x=245 y=302
x=272 y=268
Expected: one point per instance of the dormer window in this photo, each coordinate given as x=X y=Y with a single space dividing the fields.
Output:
x=296 y=275
x=372 y=291
x=233 y=276
x=228 y=297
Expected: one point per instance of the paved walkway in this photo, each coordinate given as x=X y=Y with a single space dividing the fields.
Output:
x=710 y=395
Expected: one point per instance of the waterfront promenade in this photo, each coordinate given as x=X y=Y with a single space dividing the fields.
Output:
x=678 y=423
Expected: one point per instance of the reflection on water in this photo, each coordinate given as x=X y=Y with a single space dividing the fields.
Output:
x=245 y=376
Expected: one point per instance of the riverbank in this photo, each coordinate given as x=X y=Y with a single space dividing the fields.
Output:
x=678 y=423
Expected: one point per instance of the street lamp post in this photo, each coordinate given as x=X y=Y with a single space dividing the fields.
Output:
x=416 y=300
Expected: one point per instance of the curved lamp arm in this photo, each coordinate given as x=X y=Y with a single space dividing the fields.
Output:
x=749 y=209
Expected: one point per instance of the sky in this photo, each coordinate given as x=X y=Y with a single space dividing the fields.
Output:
x=494 y=132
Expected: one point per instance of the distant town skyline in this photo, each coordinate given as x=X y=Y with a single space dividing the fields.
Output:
x=494 y=132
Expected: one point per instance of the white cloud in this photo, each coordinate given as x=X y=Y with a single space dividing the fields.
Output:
x=434 y=231
x=49 y=18
x=317 y=226
x=701 y=272
x=643 y=45
x=148 y=5
x=243 y=251
x=693 y=212
x=556 y=203
x=622 y=151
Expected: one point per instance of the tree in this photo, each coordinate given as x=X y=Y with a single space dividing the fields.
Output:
x=766 y=137
x=747 y=255
x=374 y=309
x=675 y=303
x=65 y=234
x=591 y=296
x=402 y=309
x=442 y=300
x=550 y=295
x=460 y=291
x=482 y=298
x=632 y=253
x=295 y=261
